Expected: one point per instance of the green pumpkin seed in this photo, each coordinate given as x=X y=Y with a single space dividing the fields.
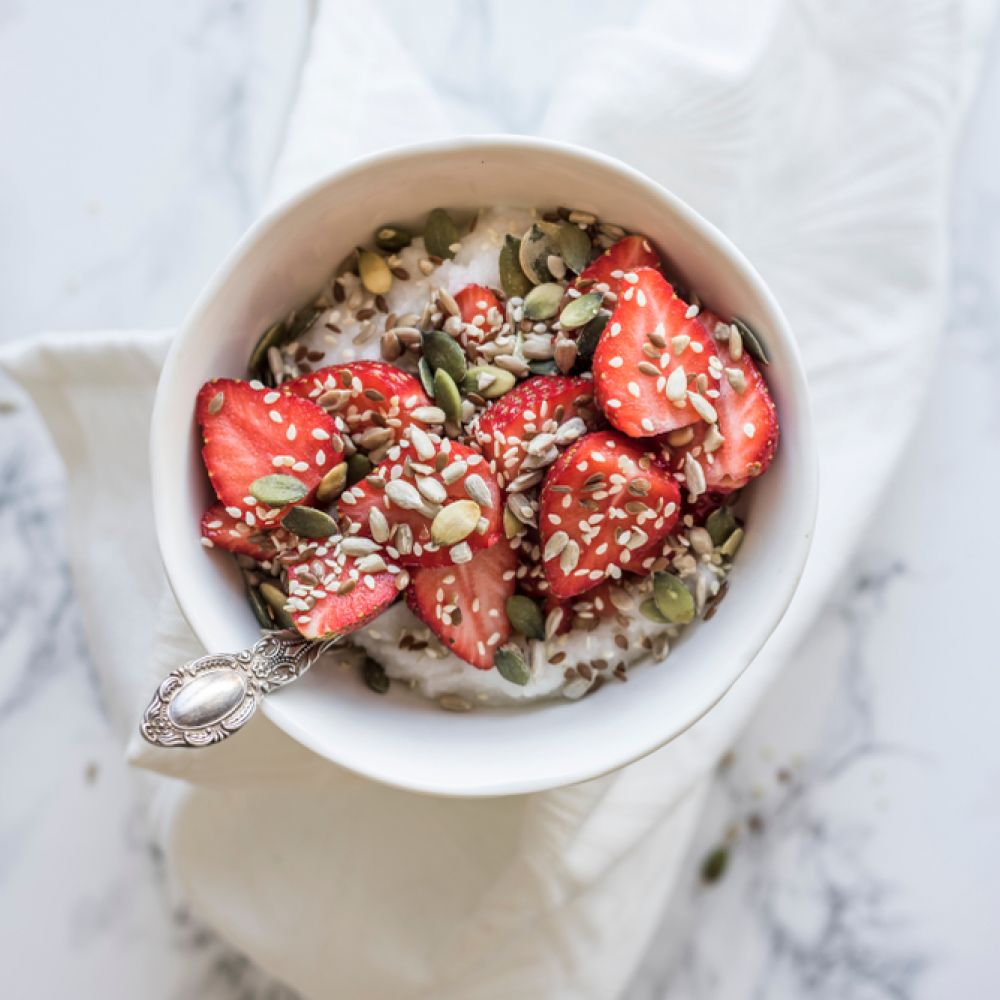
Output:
x=720 y=525
x=273 y=336
x=574 y=246
x=332 y=484
x=501 y=381
x=278 y=489
x=673 y=599
x=542 y=302
x=259 y=608
x=526 y=616
x=426 y=376
x=392 y=239
x=358 y=466
x=440 y=232
x=307 y=522
x=714 y=865
x=374 y=272
x=543 y=366
x=299 y=322
x=375 y=676
x=455 y=522
x=539 y=243
x=447 y=396
x=274 y=597
x=732 y=544
x=511 y=665
x=441 y=351
x=513 y=280
x=648 y=609
x=586 y=341
x=751 y=342
x=581 y=311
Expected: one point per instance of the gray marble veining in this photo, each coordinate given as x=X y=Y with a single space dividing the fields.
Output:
x=858 y=809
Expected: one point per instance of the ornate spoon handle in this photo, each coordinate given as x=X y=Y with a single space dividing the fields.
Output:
x=208 y=699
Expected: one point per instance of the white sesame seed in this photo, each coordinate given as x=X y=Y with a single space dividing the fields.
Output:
x=692 y=311
x=749 y=429
x=320 y=434
x=615 y=362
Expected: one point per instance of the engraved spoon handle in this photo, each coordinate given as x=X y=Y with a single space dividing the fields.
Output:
x=207 y=700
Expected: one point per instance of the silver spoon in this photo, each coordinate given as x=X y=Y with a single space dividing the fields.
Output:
x=209 y=699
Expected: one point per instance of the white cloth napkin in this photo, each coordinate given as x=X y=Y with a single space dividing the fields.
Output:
x=820 y=138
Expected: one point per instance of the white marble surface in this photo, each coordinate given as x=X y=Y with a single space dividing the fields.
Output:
x=860 y=803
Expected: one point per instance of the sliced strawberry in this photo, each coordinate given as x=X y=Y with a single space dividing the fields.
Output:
x=334 y=595
x=518 y=432
x=397 y=502
x=627 y=254
x=604 y=498
x=376 y=401
x=647 y=340
x=249 y=433
x=747 y=423
x=225 y=532
x=465 y=606
x=476 y=300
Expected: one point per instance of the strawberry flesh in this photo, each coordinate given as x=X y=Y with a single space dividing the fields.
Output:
x=341 y=597
x=249 y=433
x=476 y=300
x=521 y=424
x=423 y=481
x=465 y=606
x=627 y=254
x=748 y=424
x=376 y=401
x=648 y=339
x=226 y=532
x=604 y=502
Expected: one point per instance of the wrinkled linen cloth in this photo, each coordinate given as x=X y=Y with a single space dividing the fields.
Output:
x=820 y=138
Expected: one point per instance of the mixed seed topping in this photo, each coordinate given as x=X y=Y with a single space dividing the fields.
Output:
x=479 y=438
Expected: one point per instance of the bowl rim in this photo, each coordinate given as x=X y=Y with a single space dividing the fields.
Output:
x=807 y=479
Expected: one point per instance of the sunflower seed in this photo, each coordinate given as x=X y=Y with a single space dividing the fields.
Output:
x=403 y=539
x=681 y=437
x=454 y=471
x=440 y=234
x=570 y=556
x=477 y=489
x=215 y=404
x=677 y=384
x=277 y=490
x=521 y=507
x=703 y=407
x=454 y=703
x=356 y=545
x=737 y=379
x=565 y=355
x=377 y=525
x=694 y=475
x=511 y=665
x=455 y=522
x=403 y=494
x=371 y=564
x=431 y=489
x=554 y=546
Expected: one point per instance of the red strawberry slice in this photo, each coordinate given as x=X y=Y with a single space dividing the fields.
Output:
x=465 y=606
x=337 y=594
x=476 y=300
x=651 y=365
x=747 y=424
x=227 y=533
x=249 y=433
x=518 y=432
x=376 y=401
x=396 y=504
x=626 y=255
x=603 y=500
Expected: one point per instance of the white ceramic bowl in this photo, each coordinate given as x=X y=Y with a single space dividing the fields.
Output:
x=402 y=739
